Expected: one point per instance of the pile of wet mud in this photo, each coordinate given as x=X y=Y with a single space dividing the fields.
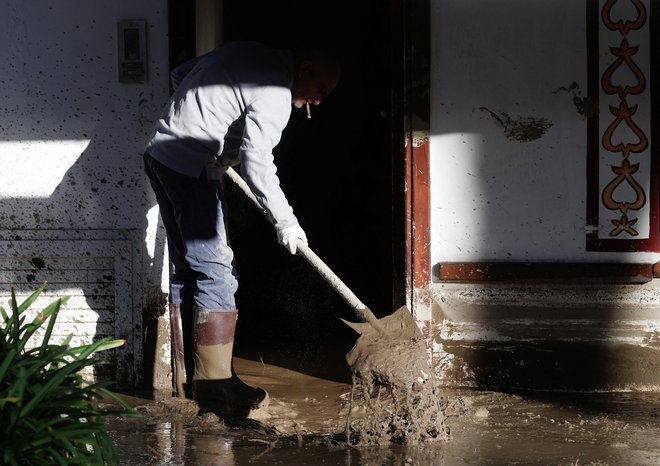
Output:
x=191 y=415
x=180 y=410
x=395 y=396
x=494 y=428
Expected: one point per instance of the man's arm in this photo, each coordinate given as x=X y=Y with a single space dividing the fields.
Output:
x=265 y=120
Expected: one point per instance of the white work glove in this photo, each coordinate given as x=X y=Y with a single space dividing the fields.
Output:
x=289 y=236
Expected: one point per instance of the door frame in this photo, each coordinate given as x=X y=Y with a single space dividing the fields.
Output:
x=411 y=159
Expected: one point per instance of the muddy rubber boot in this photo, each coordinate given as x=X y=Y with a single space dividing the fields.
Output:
x=178 y=351
x=216 y=387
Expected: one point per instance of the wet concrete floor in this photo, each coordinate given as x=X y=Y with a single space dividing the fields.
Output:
x=304 y=425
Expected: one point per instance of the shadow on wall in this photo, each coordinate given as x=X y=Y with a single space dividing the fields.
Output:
x=88 y=239
x=334 y=168
x=523 y=182
x=64 y=116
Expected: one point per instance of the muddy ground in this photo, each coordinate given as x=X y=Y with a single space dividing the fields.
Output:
x=305 y=424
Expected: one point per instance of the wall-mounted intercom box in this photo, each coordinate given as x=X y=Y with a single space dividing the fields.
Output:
x=132 y=53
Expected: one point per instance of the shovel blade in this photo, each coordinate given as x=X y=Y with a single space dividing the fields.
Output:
x=398 y=325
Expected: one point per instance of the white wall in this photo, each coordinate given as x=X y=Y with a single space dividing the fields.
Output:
x=499 y=196
x=63 y=111
x=71 y=139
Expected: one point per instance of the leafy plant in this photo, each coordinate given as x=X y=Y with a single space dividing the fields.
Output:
x=48 y=413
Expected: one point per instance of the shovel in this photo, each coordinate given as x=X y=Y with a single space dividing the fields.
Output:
x=361 y=310
x=390 y=352
x=399 y=326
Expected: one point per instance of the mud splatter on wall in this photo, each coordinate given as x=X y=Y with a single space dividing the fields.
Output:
x=522 y=129
x=510 y=110
x=508 y=189
x=71 y=138
x=585 y=105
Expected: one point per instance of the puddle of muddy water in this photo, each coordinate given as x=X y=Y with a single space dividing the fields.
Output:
x=307 y=416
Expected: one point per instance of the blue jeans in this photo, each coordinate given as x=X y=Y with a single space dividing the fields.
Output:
x=192 y=210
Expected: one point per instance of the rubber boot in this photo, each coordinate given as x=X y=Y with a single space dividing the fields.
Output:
x=215 y=386
x=178 y=351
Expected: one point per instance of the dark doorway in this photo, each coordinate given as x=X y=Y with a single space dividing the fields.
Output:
x=336 y=170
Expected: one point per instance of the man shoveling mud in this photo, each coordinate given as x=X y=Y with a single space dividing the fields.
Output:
x=229 y=107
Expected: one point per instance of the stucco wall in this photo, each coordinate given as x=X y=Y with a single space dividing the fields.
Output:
x=509 y=151
x=509 y=132
x=71 y=138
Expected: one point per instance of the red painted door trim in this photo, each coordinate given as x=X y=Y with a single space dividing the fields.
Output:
x=417 y=112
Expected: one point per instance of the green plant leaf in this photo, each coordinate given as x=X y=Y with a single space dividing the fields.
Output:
x=4 y=314
x=100 y=345
x=30 y=299
x=51 y=310
x=51 y=323
x=61 y=460
x=86 y=351
x=15 y=323
x=48 y=413
x=129 y=409
x=57 y=378
x=6 y=362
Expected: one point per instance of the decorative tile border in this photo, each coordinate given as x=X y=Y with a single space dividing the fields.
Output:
x=622 y=164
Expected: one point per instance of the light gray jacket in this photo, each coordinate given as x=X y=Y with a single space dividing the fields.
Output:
x=230 y=106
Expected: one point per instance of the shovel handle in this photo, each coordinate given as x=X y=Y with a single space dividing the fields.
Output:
x=360 y=309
